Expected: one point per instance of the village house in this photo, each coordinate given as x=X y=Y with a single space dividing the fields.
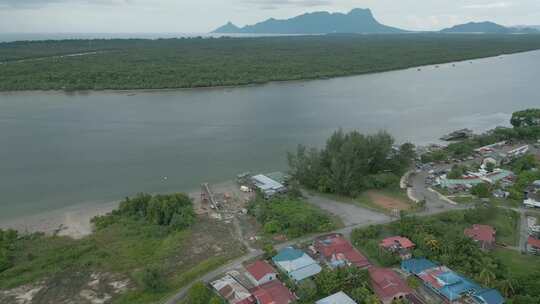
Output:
x=296 y=264
x=450 y=286
x=273 y=292
x=398 y=245
x=533 y=245
x=260 y=272
x=388 y=285
x=532 y=195
x=336 y=251
x=231 y=290
x=484 y=235
x=337 y=298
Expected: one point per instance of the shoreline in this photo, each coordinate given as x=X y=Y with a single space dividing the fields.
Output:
x=74 y=221
x=253 y=84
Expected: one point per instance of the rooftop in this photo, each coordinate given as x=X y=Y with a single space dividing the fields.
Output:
x=266 y=183
x=273 y=293
x=259 y=269
x=402 y=242
x=230 y=289
x=449 y=284
x=488 y=296
x=416 y=266
x=337 y=298
x=386 y=283
x=335 y=248
x=533 y=242
x=482 y=233
x=296 y=263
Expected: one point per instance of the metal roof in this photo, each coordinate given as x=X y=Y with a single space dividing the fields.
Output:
x=337 y=298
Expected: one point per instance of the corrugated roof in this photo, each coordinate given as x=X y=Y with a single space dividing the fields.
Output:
x=416 y=266
x=259 y=269
x=337 y=298
x=489 y=296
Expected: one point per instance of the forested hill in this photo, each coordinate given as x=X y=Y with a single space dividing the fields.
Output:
x=488 y=28
x=356 y=21
x=198 y=62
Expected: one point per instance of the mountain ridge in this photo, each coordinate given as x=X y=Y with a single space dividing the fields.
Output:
x=356 y=21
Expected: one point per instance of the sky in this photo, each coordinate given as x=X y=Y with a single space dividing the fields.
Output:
x=202 y=16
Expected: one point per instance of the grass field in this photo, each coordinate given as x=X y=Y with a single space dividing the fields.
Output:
x=92 y=269
x=516 y=262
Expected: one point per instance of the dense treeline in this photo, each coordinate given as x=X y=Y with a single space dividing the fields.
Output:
x=351 y=163
x=290 y=216
x=197 y=62
x=175 y=210
x=441 y=239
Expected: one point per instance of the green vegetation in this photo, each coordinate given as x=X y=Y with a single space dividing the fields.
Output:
x=526 y=118
x=351 y=163
x=197 y=62
x=440 y=238
x=481 y=190
x=291 y=217
x=200 y=294
x=153 y=243
x=351 y=280
x=175 y=211
x=527 y=172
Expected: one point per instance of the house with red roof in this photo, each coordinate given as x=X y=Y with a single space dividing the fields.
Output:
x=484 y=235
x=533 y=245
x=337 y=252
x=388 y=285
x=261 y=272
x=273 y=292
x=398 y=245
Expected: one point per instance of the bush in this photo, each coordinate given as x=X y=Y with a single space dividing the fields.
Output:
x=152 y=280
x=289 y=216
x=174 y=210
x=481 y=190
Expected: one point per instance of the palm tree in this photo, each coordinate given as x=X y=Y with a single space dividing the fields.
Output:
x=487 y=277
x=506 y=287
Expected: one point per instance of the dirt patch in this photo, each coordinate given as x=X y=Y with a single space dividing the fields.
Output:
x=387 y=202
x=70 y=287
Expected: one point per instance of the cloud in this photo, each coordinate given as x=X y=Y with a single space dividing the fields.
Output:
x=275 y=4
x=488 y=5
x=42 y=3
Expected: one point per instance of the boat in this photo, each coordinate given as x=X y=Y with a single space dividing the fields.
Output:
x=458 y=134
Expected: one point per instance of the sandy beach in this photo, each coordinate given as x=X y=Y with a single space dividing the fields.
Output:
x=73 y=221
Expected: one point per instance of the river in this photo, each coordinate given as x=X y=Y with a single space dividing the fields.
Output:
x=59 y=149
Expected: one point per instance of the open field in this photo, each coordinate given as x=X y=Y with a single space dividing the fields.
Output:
x=517 y=263
x=108 y=264
x=189 y=63
x=388 y=200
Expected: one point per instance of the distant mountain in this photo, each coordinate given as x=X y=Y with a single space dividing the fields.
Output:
x=356 y=21
x=487 y=28
x=228 y=28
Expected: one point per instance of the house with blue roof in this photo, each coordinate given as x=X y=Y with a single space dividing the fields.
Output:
x=296 y=264
x=448 y=284
x=488 y=296
x=416 y=266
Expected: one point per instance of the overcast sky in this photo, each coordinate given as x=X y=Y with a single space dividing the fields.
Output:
x=200 y=16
